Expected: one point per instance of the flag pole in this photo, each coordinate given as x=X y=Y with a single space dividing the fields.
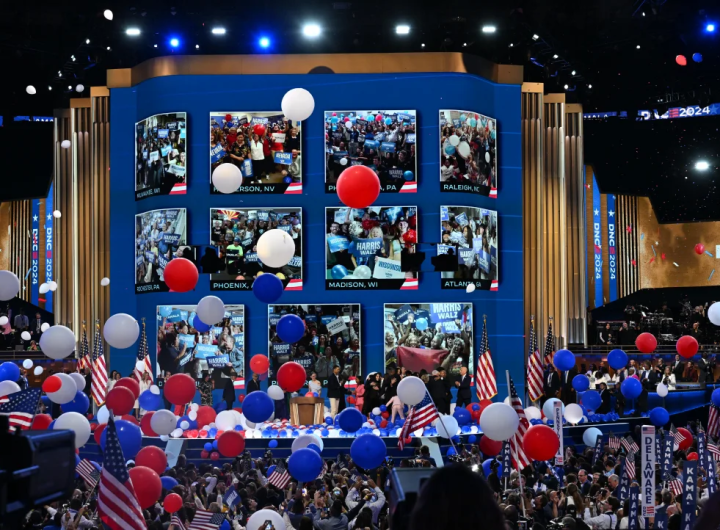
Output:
x=517 y=460
x=443 y=424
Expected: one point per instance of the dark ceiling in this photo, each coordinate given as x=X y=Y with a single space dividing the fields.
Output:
x=596 y=38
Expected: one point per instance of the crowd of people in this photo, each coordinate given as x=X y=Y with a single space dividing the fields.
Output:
x=160 y=152
x=472 y=233
x=21 y=330
x=468 y=149
x=159 y=234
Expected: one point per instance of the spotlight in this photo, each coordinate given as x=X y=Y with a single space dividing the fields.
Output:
x=702 y=165
x=710 y=28
x=402 y=29
x=49 y=87
x=197 y=46
x=422 y=45
x=108 y=48
x=69 y=87
x=489 y=29
x=589 y=86
x=59 y=73
x=555 y=56
x=264 y=42
x=108 y=14
x=573 y=72
x=565 y=87
x=218 y=31
x=643 y=13
x=311 y=30
x=536 y=36
x=511 y=45
x=464 y=44
x=87 y=41
x=154 y=45
x=73 y=58
x=637 y=47
x=174 y=42
x=30 y=90
x=132 y=32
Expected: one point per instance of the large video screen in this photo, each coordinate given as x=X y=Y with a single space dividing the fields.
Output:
x=234 y=234
x=161 y=155
x=160 y=235
x=429 y=336
x=364 y=247
x=472 y=235
x=332 y=338
x=383 y=140
x=468 y=152
x=218 y=352
x=265 y=146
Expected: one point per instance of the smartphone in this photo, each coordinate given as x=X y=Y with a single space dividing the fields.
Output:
x=522 y=525
x=304 y=491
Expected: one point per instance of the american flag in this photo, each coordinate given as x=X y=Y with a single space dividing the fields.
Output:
x=714 y=450
x=630 y=466
x=677 y=435
x=517 y=453
x=323 y=471
x=420 y=415
x=118 y=506
x=675 y=486
x=280 y=478
x=177 y=522
x=239 y=383
x=21 y=407
x=549 y=345
x=88 y=472
x=535 y=367
x=143 y=357
x=83 y=359
x=486 y=386
x=205 y=520
x=629 y=444
x=99 y=369
x=713 y=429
x=614 y=442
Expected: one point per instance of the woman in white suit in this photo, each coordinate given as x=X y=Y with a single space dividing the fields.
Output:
x=668 y=378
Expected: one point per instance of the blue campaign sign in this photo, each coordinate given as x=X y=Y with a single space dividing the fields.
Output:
x=387 y=147
x=251 y=257
x=262 y=215
x=402 y=314
x=163 y=133
x=237 y=320
x=311 y=318
x=165 y=150
x=261 y=121
x=326 y=319
x=446 y=314
x=217 y=153
x=274 y=317
x=372 y=144
x=174 y=316
x=239 y=340
x=461 y=219
x=337 y=155
x=393 y=213
x=150 y=257
x=187 y=340
x=493 y=256
x=477 y=244
x=295 y=261
x=285 y=228
x=467 y=255
x=162 y=261
x=365 y=247
x=246 y=168
x=219 y=361
x=171 y=239
x=337 y=243
x=280 y=349
x=484 y=260
x=456 y=122
x=403 y=117
x=283 y=158
x=443 y=249
x=444 y=216
x=203 y=351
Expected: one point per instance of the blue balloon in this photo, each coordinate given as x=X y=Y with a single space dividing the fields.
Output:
x=168 y=483
x=351 y=420
x=315 y=394
x=697 y=57
x=305 y=465
x=208 y=447
x=462 y=415
x=564 y=360
x=215 y=444
x=472 y=439
x=282 y=434
x=487 y=470
x=463 y=117
x=52 y=425
x=199 y=325
x=581 y=382
x=165 y=310
x=212 y=432
x=409 y=175
x=130 y=437
x=315 y=448
x=46 y=401
x=267 y=288
x=80 y=404
x=451 y=451
x=449 y=149
x=383 y=408
x=149 y=401
x=271 y=468
x=659 y=416
x=287 y=179
x=338 y=272
x=473 y=122
x=9 y=372
x=716 y=397
x=325 y=432
x=225 y=525
x=273 y=444
x=368 y=451
x=258 y=406
x=591 y=399
x=631 y=388
x=334 y=119
x=617 y=359
x=388 y=121
x=421 y=324
x=290 y=328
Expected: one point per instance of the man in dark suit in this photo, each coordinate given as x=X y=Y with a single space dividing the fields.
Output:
x=605 y=405
x=678 y=368
x=463 y=388
x=36 y=327
x=567 y=394
x=448 y=395
x=88 y=382
x=388 y=390
x=436 y=389
x=551 y=384
x=584 y=482
x=253 y=384
x=335 y=391
x=229 y=390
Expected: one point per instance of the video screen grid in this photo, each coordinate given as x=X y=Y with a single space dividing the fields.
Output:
x=161 y=156
x=160 y=235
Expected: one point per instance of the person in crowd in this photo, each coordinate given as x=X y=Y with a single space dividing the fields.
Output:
x=20 y=324
x=206 y=386
x=372 y=394
x=253 y=384
x=463 y=386
x=33 y=346
x=551 y=385
x=114 y=378
x=606 y=403
x=313 y=384
x=605 y=335
x=678 y=368
x=390 y=383
x=336 y=391
x=229 y=390
x=145 y=383
x=36 y=327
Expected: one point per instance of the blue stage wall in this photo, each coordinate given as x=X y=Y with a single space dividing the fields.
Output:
x=426 y=92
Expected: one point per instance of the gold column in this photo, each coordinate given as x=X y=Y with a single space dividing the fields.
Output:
x=19 y=242
x=627 y=216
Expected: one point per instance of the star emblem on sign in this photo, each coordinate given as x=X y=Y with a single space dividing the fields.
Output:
x=628 y=229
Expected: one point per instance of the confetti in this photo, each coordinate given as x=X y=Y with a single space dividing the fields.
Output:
x=628 y=229
x=653 y=249
x=656 y=243
x=634 y=263
x=708 y=253
x=652 y=259
x=675 y=264
x=711 y=274
x=642 y=237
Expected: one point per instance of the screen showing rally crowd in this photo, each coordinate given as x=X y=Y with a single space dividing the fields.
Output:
x=468 y=152
x=160 y=235
x=265 y=146
x=364 y=247
x=384 y=140
x=332 y=339
x=425 y=337
x=471 y=234
x=161 y=155
x=210 y=354
x=234 y=235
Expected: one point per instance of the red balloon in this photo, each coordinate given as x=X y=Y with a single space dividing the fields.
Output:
x=308 y=394
x=385 y=414
x=97 y=433
x=259 y=363
x=228 y=117
x=172 y=503
x=153 y=457
x=692 y=456
x=475 y=414
x=687 y=346
x=192 y=433
x=120 y=400
x=489 y=447
x=231 y=444
x=205 y=415
x=346 y=119
x=358 y=187
x=179 y=388
x=259 y=129
x=681 y=60
x=540 y=442
x=218 y=434
x=51 y=384
x=204 y=454
x=131 y=419
x=410 y=236
x=145 y=424
x=214 y=456
x=291 y=376
x=383 y=424
x=131 y=384
x=241 y=398
x=646 y=342
x=334 y=113
x=484 y=403
x=351 y=400
x=378 y=117
x=41 y=422
x=147 y=485
x=687 y=442
x=203 y=434
x=181 y=275
x=699 y=248
x=408 y=440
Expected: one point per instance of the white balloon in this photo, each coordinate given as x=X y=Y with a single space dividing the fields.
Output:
x=105 y=282
x=470 y=288
x=343 y=161
x=225 y=421
x=363 y=272
x=27 y=364
x=275 y=392
x=74 y=421
x=573 y=413
x=194 y=407
x=454 y=140
x=4 y=321
x=714 y=313
x=211 y=309
x=662 y=390
x=411 y=390
x=297 y=104
x=376 y=411
x=487 y=156
x=30 y=90
x=227 y=178
x=66 y=392
x=533 y=413
x=25 y=335
x=238 y=418
x=349 y=277
x=184 y=425
x=463 y=149
x=334 y=433
x=79 y=88
x=121 y=330
x=155 y=390
x=447 y=426
x=192 y=415
x=306 y=439
x=275 y=248
x=57 y=342
x=177 y=433
x=8 y=387
x=38 y=370
x=499 y=422
x=65 y=144
x=376 y=432
x=57 y=214
x=163 y=422
x=140 y=366
x=257 y=520
x=548 y=407
x=44 y=288
x=590 y=436
x=52 y=285
x=79 y=380
x=250 y=425
x=108 y=14
x=103 y=415
x=9 y=285
x=507 y=400
x=44 y=327
x=164 y=437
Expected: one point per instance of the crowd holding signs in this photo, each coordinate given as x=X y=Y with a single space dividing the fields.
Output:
x=161 y=155
x=159 y=237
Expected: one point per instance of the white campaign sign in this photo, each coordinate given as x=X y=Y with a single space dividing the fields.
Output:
x=387 y=269
x=336 y=326
x=558 y=428
x=649 y=456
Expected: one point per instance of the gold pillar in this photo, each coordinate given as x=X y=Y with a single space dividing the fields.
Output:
x=627 y=216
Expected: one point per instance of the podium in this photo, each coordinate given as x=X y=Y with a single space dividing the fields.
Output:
x=307 y=410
